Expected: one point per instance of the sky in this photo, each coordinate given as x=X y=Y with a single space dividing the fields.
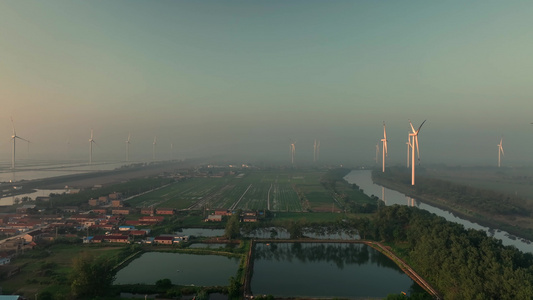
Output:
x=243 y=79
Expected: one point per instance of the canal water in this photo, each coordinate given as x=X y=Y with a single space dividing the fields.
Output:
x=180 y=268
x=326 y=270
x=363 y=178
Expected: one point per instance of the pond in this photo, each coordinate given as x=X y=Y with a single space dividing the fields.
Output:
x=180 y=268
x=326 y=270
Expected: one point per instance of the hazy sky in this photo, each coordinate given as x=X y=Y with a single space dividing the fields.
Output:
x=246 y=77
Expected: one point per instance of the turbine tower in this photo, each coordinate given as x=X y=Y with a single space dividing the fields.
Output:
x=153 y=147
x=384 y=142
x=14 y=137
x=91 y=142
x=316 y=150
x=500 y=151
x=292 y=149
x=414 y=140
x=128 y=147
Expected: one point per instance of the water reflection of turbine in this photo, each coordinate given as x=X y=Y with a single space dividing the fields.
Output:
x=410 y=201
x=383 y=195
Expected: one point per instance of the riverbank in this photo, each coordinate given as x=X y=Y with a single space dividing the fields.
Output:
x=462 y=212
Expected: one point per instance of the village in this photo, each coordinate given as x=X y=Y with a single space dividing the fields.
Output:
x=107 y=220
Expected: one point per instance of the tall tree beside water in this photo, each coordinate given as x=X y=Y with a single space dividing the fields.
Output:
x=232 y=229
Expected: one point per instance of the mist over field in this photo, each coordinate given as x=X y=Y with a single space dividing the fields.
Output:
x=240 y=80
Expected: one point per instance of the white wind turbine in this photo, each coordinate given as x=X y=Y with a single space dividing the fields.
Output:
x=292 y=149
x=316 y=150
x=500 y=151
x=128 y=147
x=414 y=140
x=14 y=137
x=153 y=147
x=91 y=142
x=384 y=142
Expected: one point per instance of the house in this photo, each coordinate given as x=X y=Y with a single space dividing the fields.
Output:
x=222 y=212
x=33 y=236
x=115 y=196
x=164 y=240
x=93 y=202
x=114 y=238
x=147 y=211
x=116 y=203
x=70 y=209
x=214 y=218
x=248 y=219
x=101 y=211
x=120 y=211
x=126 y=228
x=148 y=220
x=165 y=211
x=136 y=233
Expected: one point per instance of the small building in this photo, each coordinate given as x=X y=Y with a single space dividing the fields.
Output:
x=222 y=212
x=33 y=236
x=164 y=240
x=214 y=218
x=147 y=211
x=114 y=238
x=248 y=219
x=93 y=202
x=70 y=209
x=116 y=203
x=101 y=211
x=120 y=211
x=126 y=228
x=165 y=211
x=115 y=196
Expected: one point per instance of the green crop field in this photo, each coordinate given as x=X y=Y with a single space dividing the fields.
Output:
x=280 y=190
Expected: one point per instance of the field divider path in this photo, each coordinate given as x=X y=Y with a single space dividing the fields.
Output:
x=242 y=196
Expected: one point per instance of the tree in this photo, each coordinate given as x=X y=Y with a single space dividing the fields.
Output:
x=233 y=229
x=91 y=276
x=163 y=283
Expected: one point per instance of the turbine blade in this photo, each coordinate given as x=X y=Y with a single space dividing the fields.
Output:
x=420 y=126
x=412 y=128
x=13 y=126
x=417 y=149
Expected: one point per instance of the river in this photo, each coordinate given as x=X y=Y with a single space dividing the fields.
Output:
x=363 y=178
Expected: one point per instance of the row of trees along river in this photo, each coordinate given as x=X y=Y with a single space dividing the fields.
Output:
x=491 y=208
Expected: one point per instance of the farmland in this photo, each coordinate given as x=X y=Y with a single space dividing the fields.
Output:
x=280 y=190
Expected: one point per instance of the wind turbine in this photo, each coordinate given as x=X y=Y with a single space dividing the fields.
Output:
x=500 y=151
x=384 y=141
x=128 y=147
x=91 y=142
x=14 y=137
x=414 y=140
x=292 y=149
x=171 y=151
x=316 y=150
x=153 y=147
